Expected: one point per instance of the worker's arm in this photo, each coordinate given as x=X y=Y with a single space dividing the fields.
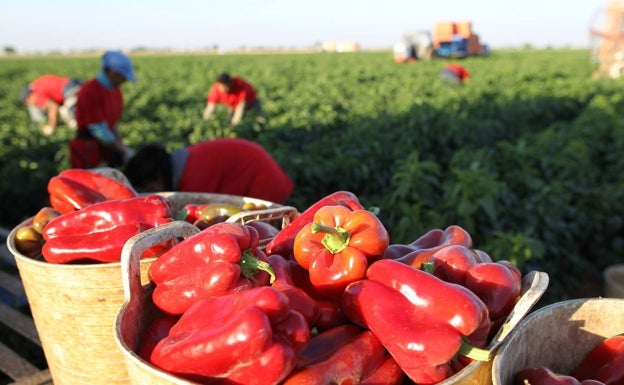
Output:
x=101 y=132
x=52 y=110
x=238 y=113
x=210 y=107
x=109 y=139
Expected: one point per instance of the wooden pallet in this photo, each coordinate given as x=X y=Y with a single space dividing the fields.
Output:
x=13 y=365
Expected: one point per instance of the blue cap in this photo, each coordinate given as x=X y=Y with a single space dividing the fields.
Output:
x=120 y=63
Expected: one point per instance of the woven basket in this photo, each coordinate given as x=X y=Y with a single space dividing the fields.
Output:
x=74 y=306
x=558 y=336
x=138 y=311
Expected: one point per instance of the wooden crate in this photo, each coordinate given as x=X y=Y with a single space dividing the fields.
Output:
x=463 y=29
x=443 y=33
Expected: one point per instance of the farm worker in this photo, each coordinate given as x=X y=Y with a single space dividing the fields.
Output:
x=49 y=96
x=455 y=74
x=237 y=94
x=231 y=166
x=98 y=111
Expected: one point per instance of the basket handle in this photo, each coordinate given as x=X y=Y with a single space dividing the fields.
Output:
x=534 y=285
x=286 y=213
x=135 y=246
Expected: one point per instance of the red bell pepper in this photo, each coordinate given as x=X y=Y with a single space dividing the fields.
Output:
x=299 y=300
x=451 y=303
x=62 y=206
x=345 y=355
x=301 y=279
x=482 y=256
x=75 y=189
x=386 y=373
x=150 y=210
x=544 y=376
x=98 y=232
x=250 y=338
x=67 y=195
x=451 y=263
x=109 y=187
x=398 y=250
x=330 y=314
x=158 y=329
x=419 y=318
x=283 y=242
x=337 y=247
x=421 y=250
x=190 y=212
x=219 y=260
x=103 y=246
x=322 y=345
x=230 y=239
x=266 y=231
x=605 y=362
x=498 y=286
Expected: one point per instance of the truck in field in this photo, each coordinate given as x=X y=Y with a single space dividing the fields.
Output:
x=452 y=39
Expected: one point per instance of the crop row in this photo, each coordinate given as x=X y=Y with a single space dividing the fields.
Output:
x=527 y=156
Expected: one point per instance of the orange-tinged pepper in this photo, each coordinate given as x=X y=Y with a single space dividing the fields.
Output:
x=338 y=245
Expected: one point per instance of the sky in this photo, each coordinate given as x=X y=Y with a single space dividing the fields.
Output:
x=71 y=25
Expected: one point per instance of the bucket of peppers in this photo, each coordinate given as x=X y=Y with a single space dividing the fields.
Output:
x=68 y=257
x=328 y=300
x=579 y=341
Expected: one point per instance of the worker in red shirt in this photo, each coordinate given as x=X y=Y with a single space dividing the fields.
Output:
x=237 y=94
x=454 y=74
x=48 y=97
x=98 y=111
x=230 y=166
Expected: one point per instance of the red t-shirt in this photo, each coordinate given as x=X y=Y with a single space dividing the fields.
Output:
x=459 y=70
x=235 y=167
x=48 y=87
x=98 y=104
x=239 y=91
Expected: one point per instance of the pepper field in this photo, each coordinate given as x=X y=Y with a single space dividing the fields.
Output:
x=527 y=157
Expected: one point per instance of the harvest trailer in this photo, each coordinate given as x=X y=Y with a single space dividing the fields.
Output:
x=449 y=39
x=456 y=39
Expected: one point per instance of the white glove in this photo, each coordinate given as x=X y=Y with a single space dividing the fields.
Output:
x=64 y=113
x=47 y=130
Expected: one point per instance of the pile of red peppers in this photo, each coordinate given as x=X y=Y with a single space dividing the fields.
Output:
x=329 y=300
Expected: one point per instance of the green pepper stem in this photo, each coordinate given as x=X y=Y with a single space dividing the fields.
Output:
x=474 y=352
x=428 y=267
x=335 y=240
x=250 y=265
x=181 y=215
